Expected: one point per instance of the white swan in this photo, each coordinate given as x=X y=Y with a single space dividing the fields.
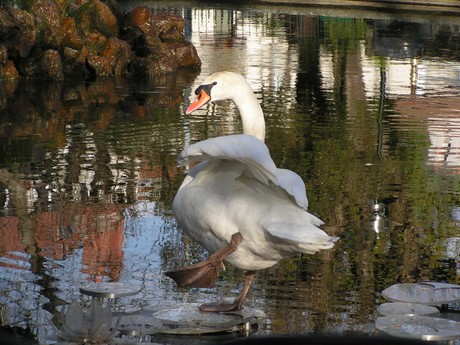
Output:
x=236 y=203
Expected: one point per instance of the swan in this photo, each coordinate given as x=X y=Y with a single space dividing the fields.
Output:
x=235 y=202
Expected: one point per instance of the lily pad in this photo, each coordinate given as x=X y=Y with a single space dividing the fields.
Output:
x=188 y=319
x=419 y=327
x=190 y=315
x=408 y=309
x=110 y=290
x=139 y=325
x=430 y=293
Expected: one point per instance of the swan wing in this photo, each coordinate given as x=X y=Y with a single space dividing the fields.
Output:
x=252 y=152
x=293 y=185
x=245 y=149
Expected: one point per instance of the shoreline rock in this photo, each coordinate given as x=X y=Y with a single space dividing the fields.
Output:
x=92 y=39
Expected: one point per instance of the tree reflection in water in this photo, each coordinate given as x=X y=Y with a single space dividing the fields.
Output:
x=88 y=169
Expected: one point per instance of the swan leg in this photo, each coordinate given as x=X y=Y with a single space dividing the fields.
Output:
x=237 y=304
x=205 y=273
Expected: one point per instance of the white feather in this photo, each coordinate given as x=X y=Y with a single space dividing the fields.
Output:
x=237 y=187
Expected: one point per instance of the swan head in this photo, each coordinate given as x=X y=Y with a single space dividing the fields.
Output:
x=218 y=87
x=232 y=86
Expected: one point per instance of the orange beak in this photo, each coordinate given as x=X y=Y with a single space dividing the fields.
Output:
x=200 y=100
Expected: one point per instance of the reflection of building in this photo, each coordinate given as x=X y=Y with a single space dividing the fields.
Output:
x=444 y=133
x=11 y=246
x=395 y=60
x=440 y=117
x=57 y=234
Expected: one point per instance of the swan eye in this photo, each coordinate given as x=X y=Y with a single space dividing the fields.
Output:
x=206 y=88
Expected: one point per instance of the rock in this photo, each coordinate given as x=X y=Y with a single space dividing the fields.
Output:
x=139 y=18
x=170 y=27
x=3 y=54
x=119 y=54
x=8 y=71
x=104 y=20
x=138 y=28
x=70 y=36
x=148 y=67
x=186 y=54
x=95 y=42
x=95 y=16
x=142 y=25
x=158 y=42
x=48 y=43
x=74 y=61
x=116 y=9
x=48 y=18
x=99 y=66
x=45 y=64
x=51 y=65
x=17 y=32
x=29 y=67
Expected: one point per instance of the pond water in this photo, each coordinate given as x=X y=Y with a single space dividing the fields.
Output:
x=364 y=106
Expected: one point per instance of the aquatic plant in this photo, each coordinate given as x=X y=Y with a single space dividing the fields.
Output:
x=94 y=327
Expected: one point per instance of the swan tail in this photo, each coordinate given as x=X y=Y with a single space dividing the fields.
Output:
x=291 y=237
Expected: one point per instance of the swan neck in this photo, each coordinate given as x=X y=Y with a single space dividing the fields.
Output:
x=251 y=114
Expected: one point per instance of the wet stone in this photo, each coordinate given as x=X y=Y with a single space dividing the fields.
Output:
x=102 y=19
x=138 y=22
x=89 y=41
x=48 y=18
x=3 y=55
x=170 y=27
x=186 y=54
x=17 y=31
x=9 y=71
x=71 y=38
x=99 y=66
x=51 y=65
x=148 y=67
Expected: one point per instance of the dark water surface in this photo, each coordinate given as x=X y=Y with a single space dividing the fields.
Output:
x=365 y=107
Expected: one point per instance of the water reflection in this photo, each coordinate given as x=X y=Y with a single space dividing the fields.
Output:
x=87 y=169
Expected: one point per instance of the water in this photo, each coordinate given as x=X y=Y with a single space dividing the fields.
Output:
x=364 y=106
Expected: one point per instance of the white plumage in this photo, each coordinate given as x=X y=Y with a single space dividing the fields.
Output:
x=237 y=188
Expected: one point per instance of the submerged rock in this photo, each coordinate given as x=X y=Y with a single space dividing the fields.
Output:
x=47 y=41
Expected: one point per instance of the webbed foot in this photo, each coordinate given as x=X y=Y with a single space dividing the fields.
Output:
x=237 y=304
x=200 y=275
x=204 y=274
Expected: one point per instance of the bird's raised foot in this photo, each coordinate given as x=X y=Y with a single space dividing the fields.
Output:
x=204 y=274
x=200 y=275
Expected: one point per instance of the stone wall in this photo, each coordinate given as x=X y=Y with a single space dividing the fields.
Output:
x=47 y=40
